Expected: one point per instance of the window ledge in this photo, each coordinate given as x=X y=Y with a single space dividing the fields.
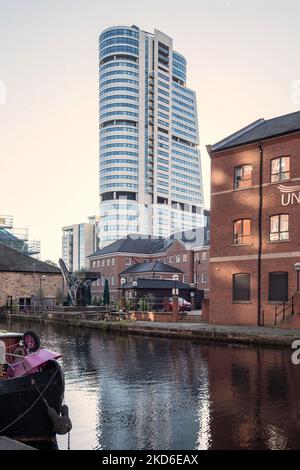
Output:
x=279 y=241
x=243 y=189
x=241 y=302
x=241 y=244
x=281 y=181
x=276 y=302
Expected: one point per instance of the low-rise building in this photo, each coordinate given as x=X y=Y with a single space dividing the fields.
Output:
x=25 y=280
x=255 y=207
x=132 y=256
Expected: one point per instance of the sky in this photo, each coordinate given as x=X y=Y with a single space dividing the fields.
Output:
x=243 y=62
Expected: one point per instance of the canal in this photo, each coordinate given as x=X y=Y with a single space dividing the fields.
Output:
x=133 y=392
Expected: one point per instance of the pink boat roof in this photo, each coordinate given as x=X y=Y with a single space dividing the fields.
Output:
x=33 y=361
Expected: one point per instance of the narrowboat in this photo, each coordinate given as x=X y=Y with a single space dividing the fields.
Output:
x=31 y=391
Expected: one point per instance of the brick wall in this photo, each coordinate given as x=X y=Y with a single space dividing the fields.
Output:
x=228 y=205
x=27 y=285
x=112 y=265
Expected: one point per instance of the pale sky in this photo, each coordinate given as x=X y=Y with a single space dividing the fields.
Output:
x=243 y=61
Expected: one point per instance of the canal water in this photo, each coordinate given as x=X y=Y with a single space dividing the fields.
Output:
x=133 y=392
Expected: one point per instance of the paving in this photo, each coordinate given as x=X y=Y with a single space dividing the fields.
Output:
x=265 y=335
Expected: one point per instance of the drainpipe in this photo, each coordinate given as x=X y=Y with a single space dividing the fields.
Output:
x=261 y=152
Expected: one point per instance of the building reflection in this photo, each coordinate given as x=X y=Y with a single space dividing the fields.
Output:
x=254 y=398
x=150 y=394
x=132 y=392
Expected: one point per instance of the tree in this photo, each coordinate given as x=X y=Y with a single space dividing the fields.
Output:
x=106 y=297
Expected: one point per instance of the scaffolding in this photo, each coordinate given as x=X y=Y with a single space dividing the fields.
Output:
x=18 y=238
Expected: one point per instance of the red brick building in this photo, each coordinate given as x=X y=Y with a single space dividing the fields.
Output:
x=255 y=220
x=178 y=253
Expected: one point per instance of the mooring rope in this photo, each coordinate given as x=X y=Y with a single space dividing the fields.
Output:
x=67 y=422
x=31 y=406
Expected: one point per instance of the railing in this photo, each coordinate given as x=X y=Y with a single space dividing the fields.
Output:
x=284 y=309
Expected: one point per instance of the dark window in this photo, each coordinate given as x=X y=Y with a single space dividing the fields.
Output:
x=280 y=169
x=242 y=232
x=241 y=287
x=279 y=227
x=242 y=176
x=278 y=287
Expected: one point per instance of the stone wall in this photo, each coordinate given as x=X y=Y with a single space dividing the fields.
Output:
x=26 y=285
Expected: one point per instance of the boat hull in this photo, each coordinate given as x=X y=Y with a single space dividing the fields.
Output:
x=23 y=413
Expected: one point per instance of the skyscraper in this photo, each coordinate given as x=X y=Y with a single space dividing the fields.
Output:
x=150 y=170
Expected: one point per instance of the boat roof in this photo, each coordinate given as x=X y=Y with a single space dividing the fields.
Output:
x=10 y=334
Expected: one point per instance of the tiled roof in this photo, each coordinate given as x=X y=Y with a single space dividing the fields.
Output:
x=14 y=261
x=133 y=244
x=153 y=267
x=260 y=130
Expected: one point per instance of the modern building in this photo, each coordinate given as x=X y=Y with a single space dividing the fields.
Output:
x=255 y=223
x=18 y=238
x=148 y=137
x=26 y=281
x=78 y=242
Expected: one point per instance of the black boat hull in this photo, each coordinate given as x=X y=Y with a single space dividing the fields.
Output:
x=23 y=413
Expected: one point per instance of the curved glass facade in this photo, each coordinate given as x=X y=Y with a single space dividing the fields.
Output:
x=148 y=137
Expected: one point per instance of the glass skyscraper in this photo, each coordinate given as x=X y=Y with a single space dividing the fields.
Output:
x=150 y=170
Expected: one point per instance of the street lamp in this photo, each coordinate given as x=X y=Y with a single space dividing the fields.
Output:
x=175 y=278
x=134 y=285
x=297 y=269
x=123 y=282
x=192 y=294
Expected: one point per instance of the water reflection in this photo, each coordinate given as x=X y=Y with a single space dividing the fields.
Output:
x=127 y=392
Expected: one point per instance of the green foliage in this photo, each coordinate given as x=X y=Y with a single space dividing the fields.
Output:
x=144 y=304
x=106 y=296
x=128 y=304
x=97 y=301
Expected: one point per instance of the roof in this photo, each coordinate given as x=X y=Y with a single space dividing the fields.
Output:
x=9 y=239
x=153 y=267
x=14 y=261
x=132 y=244
x=260 y=130
x=157 y=284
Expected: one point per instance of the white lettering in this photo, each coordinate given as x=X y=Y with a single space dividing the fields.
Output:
x=297 y=197
x=296 y=354
x=285 y=202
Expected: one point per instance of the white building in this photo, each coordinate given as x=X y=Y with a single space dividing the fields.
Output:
x=150 y=170
x=78 y=242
